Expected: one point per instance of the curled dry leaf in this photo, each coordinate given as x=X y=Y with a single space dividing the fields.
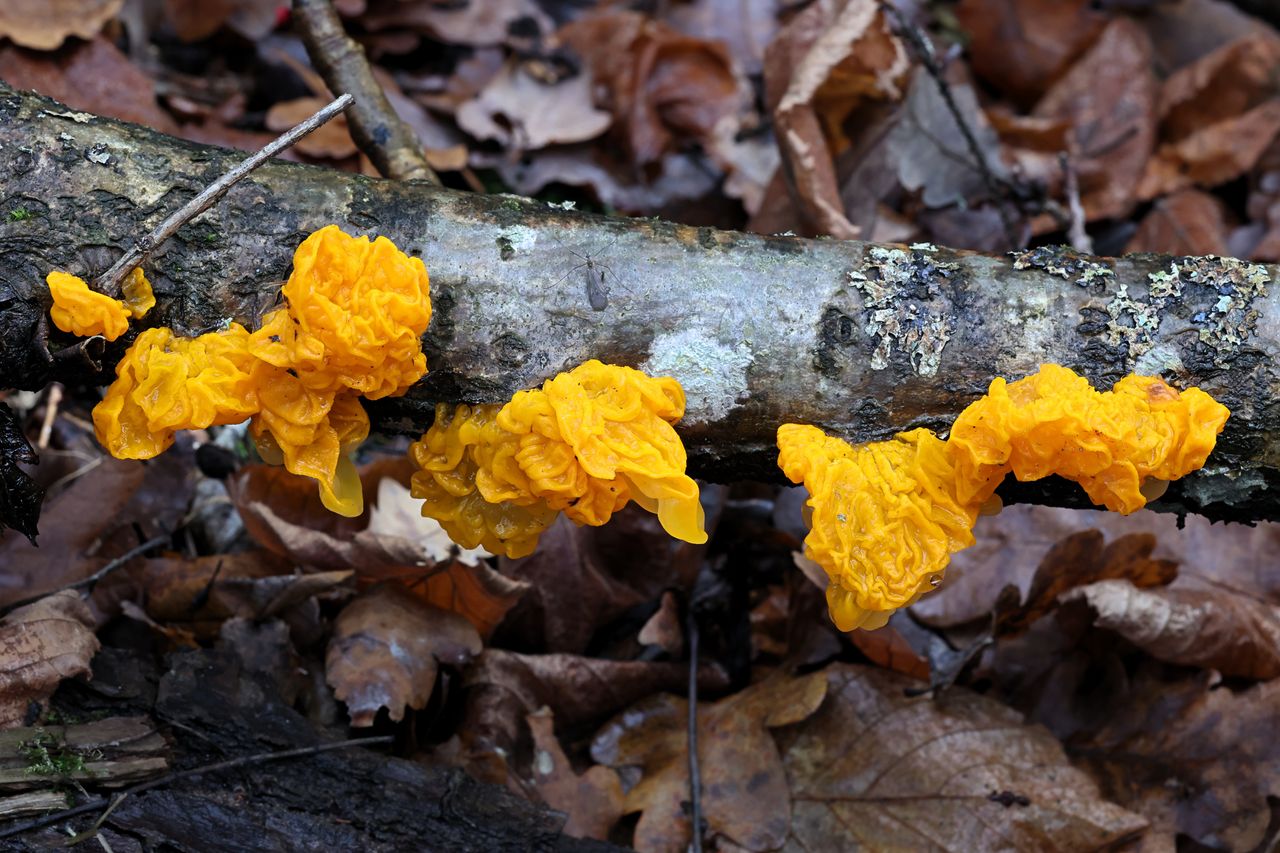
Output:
x=745 y=798
x=592 y=800
x=663 y=627
x=1236 y=634
x=45 y=24
x=1022 y=46
x=41 y=644
x=1188 y=222
x=829 y=59
x=502 y=687
x=385 y=650
x=1207 y=769
x=665 y=89
x=331 y=140
x=959 y=772
x=1212 y=155
x=1109 y=98
x=193 y=20
x=523 y=113
x=744 y=28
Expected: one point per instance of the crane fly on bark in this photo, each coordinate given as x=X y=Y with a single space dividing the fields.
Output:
x=599 y=275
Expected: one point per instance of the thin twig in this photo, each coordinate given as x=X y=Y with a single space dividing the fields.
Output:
x=1076 y=233
x=390 y=144
x=923 y=49
x=109 y=281
x=178 y=775
x=91 y=581
x=695 y=777
x=51 y=400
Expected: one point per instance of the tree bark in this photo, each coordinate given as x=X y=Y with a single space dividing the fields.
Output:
x=863 y=340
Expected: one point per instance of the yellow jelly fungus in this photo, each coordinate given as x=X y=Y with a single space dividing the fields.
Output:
x=84 y=312
x=354 y=314
x=886 y=516
x=1109 y=442
x=138 y=297
x=584 y=444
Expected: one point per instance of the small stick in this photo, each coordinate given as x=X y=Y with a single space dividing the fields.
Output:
x=695 y=777
x=51 y=401
x=178 y=775
x=91 y=581
x=109 y=281
x=1076 y=234
x=390 y=144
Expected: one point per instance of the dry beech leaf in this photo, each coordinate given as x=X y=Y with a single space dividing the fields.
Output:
x=663 y=628
x=1212 y=155
x=582 y=578
x=523 y=113
x=886 y=647
x=94 y=76
x=385 y=651
x=1188 y=222
x=1081 y=559
x=41 y=644
x=45 y=24
x=1012 y=544
x=177 y=589
x=477 y=23
x=503 y=687
x=1022 y=46
x=745 y=798
x=1206 y=770
x=1109 y=98
x=828 y=60
x=329 y=141
x=744 y=28
x=193 y=20
x=592 y=800
x=1236 y=634
x=664 y=88
x=959 y=772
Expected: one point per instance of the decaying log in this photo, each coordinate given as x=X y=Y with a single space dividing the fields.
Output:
x=862 y=339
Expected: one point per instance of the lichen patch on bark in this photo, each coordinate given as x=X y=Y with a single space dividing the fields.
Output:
x=904 y=308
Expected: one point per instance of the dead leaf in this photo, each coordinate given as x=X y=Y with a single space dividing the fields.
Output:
x=1205 y=771
x=523 y=113
x=1214 y=154
x=828 y=60
x=957 y=772
x=331 y=140
x=592 y=800
x=385 y=648
x=886 y=647
x=194 y=20
x=395 y=512
x=745 y=798
x=476 y=23
x=664 y=88
x=745 y=28
x=1188 y=222
x=1012 y=544
x=100 y=515
x=41 y=644
x=93 y=76
x=1235 y=634
x=1080 y=559
x=931 y=154
x=581 y=578
x=1109 y=97
x=503 y=687
x=663 y=628
x=1022 y=46
x=45 y=24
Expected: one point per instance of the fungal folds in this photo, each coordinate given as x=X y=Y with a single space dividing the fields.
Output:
x=586 y=443
x=887 y=516
x=350 y=326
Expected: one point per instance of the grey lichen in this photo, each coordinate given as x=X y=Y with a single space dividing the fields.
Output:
x=903 y=306
x=1064 y=262
x=1224 y=326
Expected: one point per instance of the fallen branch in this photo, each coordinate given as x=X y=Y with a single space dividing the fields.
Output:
x=862 y=339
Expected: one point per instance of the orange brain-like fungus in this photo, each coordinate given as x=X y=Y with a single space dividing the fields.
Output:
x=886 y=516
x=354 y=315
x=84 y=312
x=584 y=444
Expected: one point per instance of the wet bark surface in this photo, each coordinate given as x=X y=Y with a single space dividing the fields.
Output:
x=861 y=339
